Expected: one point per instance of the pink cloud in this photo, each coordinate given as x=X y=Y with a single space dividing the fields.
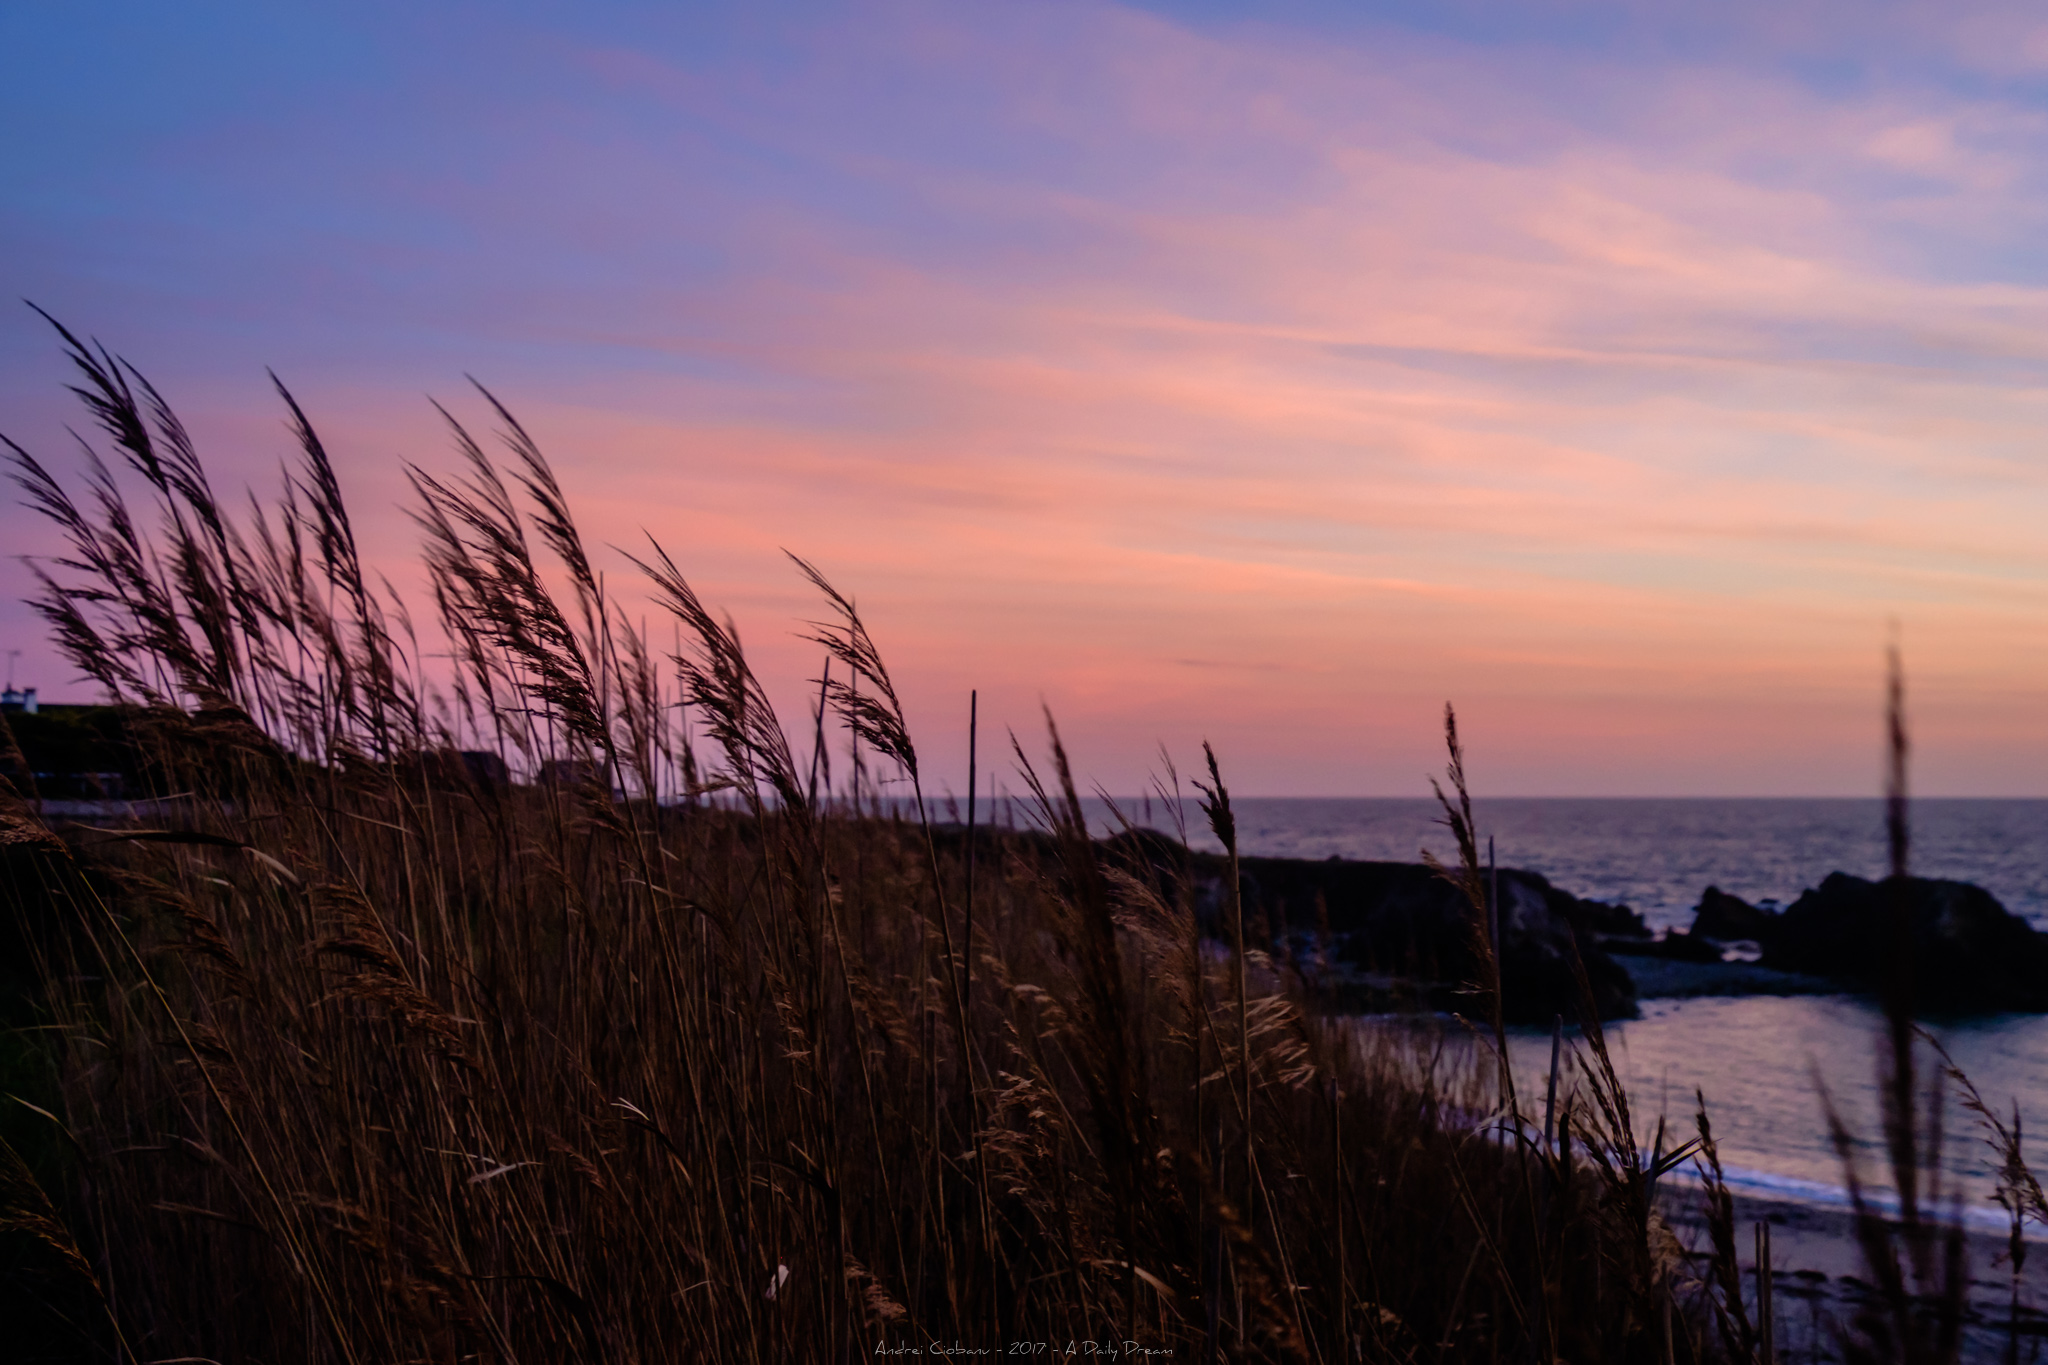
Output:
x=1313 y=386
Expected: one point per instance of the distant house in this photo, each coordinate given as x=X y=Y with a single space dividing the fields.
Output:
x=570 y=772
x=73 y=752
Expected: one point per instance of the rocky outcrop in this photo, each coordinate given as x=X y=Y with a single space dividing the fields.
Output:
x=1965 y=952
x=1404 y=936
x=1404 y=921
x=1676 y=946
x=1730 y=919
x=1407 y=935
x=1719 y=920
x=1608 y=920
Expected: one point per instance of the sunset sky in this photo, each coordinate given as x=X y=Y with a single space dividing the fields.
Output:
x=1269 y=373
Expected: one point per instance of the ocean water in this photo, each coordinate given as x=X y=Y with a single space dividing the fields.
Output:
x=1760 y=1061
x=1657 y=855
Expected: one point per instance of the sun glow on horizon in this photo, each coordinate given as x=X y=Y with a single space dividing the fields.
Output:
x=1266 y=382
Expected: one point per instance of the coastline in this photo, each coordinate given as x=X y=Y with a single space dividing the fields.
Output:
x=1821 y=1281
x=1665 y=978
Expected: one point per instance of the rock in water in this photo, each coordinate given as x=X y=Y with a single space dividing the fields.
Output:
x=1731 y=919
x=1675 y=946
x=1542 y=928
x=1405 y=926
x=1404 y=920
x=1967 y=952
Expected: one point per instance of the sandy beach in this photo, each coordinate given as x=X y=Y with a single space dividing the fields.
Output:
x=1820 y=1280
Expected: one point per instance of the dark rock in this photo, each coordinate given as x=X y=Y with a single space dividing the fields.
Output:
x=1675 y=946
x=1731 y=919
x=1965 y=951
x=1404 y=920
x=1674 y=979
x=1610 y=921
x=1405 y=935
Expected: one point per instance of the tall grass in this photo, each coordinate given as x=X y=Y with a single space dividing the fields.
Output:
x=670 y=1048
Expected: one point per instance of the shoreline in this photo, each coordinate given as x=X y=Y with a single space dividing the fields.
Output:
x=1821 y=1281
x=1665 y=978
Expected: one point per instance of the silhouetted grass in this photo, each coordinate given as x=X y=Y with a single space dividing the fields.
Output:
x=360 y=1054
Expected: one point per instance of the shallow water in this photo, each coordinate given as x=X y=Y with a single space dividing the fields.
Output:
x=1657 y=855
x=1758 y=1059
x=1761 y=1062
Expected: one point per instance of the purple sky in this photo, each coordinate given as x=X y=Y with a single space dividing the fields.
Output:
x=1265 y=373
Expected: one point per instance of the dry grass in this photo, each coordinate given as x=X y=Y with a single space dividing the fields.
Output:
x=356 y=1057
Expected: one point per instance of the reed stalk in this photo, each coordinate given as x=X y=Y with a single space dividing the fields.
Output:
x=369 y=1051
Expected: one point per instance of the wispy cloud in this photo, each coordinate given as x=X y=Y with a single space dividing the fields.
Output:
x=1262 y=380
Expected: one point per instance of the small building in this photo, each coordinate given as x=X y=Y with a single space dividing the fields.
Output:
x=570 y=772
x=72 y=752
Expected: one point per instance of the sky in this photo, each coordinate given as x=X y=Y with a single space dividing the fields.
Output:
x=1265 y=373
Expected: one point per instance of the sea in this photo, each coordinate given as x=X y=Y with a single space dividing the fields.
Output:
x=1762 y=1063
